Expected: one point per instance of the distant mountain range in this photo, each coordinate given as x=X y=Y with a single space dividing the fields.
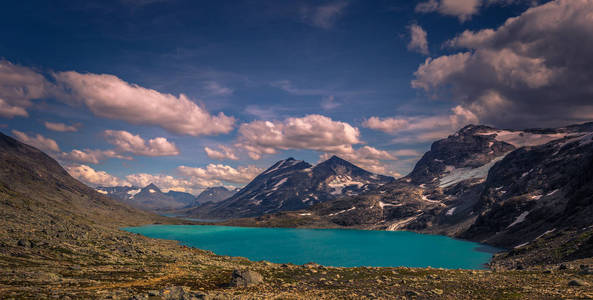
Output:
x=152 y=198
x=291 y=185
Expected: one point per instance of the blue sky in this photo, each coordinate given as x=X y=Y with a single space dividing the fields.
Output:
x=141 y=87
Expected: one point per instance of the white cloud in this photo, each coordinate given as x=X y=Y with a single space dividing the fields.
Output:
x=323 y=16
x=422 y=128
x=126 y=142
x=38 y=141
x=214 y=88
x=90 y=156
x=407 y=152
x=110 y=97
x=61 y=127
x=225 y=152
x=219 y=172
x=18 y=86
x=329 y=103
x=93 y=177
x=462 y=9
x=534 y=70
x=313 y=132
x=418 y=41
x=8 y=111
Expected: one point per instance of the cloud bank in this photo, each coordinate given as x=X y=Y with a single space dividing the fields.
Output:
x=534 y=70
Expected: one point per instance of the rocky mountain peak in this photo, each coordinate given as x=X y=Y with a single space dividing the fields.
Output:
x=152 y=188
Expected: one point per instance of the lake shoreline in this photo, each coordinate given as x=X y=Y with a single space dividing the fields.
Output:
x=393 y=252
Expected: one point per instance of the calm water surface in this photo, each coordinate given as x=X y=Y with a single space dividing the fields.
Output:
x=330 y=247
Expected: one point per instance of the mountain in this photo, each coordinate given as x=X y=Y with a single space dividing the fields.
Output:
x=509 y=188
x=292 y=184
x=149 y=197
x=214 y=194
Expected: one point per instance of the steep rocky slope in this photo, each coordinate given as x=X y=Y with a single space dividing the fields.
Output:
x=290 y=185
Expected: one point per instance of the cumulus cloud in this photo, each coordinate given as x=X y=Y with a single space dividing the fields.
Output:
x=61 y=127
x=110 y=97
x=38 y=141
x=93 y=177
x=313 y=132
x=91 y=156
x=534 y=70
x=323 y=16
x=129 y=143
x=18 y=86
x=416 y=129
x=126 y=144
x=418 y=41
x=219 y=172
x=225 y=152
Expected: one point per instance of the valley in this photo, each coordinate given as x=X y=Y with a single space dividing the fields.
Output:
x=62 y=238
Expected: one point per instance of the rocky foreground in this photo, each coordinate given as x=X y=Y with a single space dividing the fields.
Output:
x=77 y=262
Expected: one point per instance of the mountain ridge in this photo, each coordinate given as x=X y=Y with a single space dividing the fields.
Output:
x=291 y=184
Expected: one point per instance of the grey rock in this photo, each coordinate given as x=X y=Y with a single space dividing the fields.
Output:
x=245 y=278
x=577 y=282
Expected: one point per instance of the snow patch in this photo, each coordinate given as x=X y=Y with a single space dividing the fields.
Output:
x=521 y=245
x=279 y=183
x=383 y=204
x=399 y=224
x=151 y=191
x=342 y=211
x=549 y=231
x=552 y=192
x=451 y=211
x=340 y=182
x=102 y=192
x=519 y=219
x=458 y=175
x=305 y=214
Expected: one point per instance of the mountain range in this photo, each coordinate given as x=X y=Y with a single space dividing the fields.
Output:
x=152 y=198
x=515 y=189
x=291 y=185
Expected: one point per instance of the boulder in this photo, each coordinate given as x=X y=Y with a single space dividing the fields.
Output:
x=577 y=282
x=245 y=278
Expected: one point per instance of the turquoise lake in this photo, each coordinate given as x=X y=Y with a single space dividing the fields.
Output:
x=329 y=247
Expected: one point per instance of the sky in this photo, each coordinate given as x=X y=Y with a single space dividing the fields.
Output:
x=192 y=94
